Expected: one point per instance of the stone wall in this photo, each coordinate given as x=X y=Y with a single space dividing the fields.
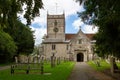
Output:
x=60 y=50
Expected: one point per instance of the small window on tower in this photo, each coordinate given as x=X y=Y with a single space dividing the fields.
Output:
x=67 y=47
x=53 y=46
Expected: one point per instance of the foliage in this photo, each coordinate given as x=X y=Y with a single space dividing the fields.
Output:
x=118 y=64
x=60 y=72
x=7 y=47
x=106 y=15
x=23 y=36
x=10 y=8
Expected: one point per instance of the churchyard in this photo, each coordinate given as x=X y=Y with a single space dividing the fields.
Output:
x=103 y=65
x=106 y=68
x=50 y=71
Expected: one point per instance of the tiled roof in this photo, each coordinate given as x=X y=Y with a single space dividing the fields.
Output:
x=70 y=36
x=90 y=36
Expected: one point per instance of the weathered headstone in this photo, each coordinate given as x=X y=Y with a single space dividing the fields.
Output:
x=52 y=61
x=58 y=60
x=98 y=63
x=16 y=59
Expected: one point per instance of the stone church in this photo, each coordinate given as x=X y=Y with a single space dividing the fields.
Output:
x=76 y=47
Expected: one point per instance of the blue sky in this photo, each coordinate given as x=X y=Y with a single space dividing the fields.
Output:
x=69 y=21
x=70 y=9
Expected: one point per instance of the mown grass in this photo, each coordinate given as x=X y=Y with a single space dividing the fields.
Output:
x=60 y=72
x=103 y=65
x=118 y=64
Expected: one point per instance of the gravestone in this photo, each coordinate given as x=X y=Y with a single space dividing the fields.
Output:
x=53 y=58
x=16 y=59
x=58 y=60
x=98 y=63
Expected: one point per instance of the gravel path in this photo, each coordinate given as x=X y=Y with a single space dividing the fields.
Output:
x=83 y=71
x=5 y=67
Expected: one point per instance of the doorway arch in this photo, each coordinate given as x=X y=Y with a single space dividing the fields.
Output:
x=80 y=57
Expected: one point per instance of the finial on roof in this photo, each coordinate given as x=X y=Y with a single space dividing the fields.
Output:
x=80 y=27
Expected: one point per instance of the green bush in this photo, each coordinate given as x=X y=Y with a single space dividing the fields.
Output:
x=7 y=47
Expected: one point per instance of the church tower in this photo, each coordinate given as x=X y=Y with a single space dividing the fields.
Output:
x=56 y=27
x=56 y=43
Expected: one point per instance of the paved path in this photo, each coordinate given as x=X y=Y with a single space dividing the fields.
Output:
x=4 y=67
x=83 y=71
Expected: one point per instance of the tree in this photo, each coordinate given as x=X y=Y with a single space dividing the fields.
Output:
x=8 y=17
x=23 y=37
x=10 y=8
x=106 y=15
x=7 y=47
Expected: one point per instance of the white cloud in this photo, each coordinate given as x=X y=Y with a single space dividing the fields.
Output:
x=39 y=33
x=89 y=29
x=85 y=28
x=70 y=7
x=41 y=20
x=77 y=23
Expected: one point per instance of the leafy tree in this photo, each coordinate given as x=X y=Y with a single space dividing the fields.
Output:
x=23 y=36
x=106 y=15
x=7 y=47
x=10 y=8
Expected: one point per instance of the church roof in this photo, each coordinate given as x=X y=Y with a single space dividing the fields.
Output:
x=71 y=36
x=90 y=36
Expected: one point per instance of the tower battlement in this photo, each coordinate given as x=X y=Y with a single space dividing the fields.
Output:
x=55 y=16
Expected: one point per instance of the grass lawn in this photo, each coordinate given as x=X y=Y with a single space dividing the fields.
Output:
x=118 y=64
x=60 y=72
x=103 y=65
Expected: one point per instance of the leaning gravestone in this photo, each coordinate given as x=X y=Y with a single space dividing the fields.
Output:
x=98 y=63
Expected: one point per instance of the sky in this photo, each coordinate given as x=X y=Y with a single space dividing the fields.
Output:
x=69 y=8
